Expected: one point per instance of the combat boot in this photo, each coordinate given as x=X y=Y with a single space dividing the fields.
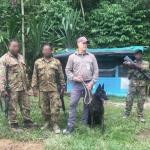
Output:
x=56 y=129
x=141 y=119
x=29 y=124
x=15 y=128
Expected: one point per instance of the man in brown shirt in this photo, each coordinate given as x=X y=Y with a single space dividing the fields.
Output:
x=81 y=66
x=47 y=75
x=13 y=74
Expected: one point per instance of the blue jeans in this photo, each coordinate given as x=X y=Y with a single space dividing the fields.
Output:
x=76 y=93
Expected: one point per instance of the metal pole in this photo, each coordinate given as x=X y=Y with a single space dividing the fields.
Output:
x=23 y=38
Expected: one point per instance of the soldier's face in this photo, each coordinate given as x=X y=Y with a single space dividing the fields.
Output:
x=14 y=47
x=47 y=51
x=82 y=46
x=138 y=56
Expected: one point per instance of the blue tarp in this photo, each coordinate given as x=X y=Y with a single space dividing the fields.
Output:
x=101 y=51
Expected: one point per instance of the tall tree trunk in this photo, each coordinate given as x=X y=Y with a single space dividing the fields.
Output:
x=23 y=38
x=82 y=8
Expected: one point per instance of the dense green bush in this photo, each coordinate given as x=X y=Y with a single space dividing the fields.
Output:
x=119 y=24
x=107 y=23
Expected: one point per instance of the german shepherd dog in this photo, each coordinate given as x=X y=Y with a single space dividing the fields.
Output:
x=96 y=108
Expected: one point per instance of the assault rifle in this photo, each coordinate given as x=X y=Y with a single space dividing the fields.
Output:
x=131 y=63
x=6 y=97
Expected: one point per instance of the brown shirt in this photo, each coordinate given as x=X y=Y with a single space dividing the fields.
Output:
x=84 y=65
x=47 y=74
x=17 y=77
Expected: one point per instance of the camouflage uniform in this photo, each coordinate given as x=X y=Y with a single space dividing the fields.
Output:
x=45 y=78
x=137 y=87
x=18 y=85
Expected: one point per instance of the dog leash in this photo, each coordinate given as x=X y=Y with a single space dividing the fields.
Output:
x=88 y=94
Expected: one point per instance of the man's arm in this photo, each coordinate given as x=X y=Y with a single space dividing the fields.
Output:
x=2 y=75
x=141 y=67
x=95 y=71
x=61 y=74
x=34 y=83
x=69 y=68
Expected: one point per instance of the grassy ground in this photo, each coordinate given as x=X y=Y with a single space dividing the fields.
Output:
x=120 y=134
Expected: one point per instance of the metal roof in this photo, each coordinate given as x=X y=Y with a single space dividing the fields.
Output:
x=102 y=51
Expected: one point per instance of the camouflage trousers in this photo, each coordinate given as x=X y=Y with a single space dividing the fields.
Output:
x=21 y=98
x=140 y=93
x=50 y=106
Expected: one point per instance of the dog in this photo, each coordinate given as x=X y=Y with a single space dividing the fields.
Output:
x=96 y=108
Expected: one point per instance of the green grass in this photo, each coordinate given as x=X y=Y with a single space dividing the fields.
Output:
x=120 y=134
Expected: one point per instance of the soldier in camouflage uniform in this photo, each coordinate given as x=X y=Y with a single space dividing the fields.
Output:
x=137 y=86
x=47 y=73
x=18 y=85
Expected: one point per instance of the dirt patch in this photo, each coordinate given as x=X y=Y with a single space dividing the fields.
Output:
x=144 y=134
x=118 y=104
x=13 y=145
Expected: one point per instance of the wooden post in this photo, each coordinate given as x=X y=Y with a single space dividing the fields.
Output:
x=23 y=38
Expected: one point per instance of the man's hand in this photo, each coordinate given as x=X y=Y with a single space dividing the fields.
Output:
x=89 y=86
x=78 y=79
x=126 y=63
x=4 y=93
x=129 y=64
x=62 y=89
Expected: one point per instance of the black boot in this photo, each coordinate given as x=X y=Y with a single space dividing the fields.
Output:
x=15 y=127
x=29 y=124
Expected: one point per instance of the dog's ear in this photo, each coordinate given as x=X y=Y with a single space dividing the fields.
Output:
x=103 y=86
x=99 y=88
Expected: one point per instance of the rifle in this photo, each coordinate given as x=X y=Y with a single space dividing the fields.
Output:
x=61 y=94
x=1 y=104
x=7 y=97
x=62 y=102
x=132 y=63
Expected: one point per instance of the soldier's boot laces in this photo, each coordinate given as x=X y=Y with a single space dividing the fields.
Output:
x=45 y=126
x=56 y=129
x=15 y=128
x=29 y=124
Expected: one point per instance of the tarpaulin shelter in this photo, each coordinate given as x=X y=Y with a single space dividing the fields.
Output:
x=111 y=71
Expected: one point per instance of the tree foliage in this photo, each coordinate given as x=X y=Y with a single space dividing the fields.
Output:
x=107 y=23
x=119 y=24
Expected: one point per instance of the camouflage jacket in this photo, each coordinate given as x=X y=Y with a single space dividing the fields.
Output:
x=137 y=78
x=47 y=75
x=16 y=73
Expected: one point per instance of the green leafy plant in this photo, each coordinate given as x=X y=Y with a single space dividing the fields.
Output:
x=69 y=29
